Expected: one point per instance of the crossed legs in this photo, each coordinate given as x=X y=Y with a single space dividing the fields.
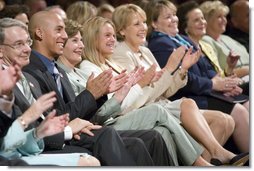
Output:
x=198 y=126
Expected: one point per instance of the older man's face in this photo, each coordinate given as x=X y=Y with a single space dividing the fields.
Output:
x=16 y=46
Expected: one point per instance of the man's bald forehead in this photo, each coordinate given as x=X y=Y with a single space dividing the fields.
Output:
x=41 y=18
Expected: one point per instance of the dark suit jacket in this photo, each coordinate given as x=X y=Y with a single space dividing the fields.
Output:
x=21 y=104
x=20 y=99
x=5 y=123
x=199 y=83
x=81 y=106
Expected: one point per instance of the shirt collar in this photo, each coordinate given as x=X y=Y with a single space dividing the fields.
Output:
x=47 y=62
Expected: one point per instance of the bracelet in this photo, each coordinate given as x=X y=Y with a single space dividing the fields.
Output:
x=228 y=74
x=182 y=74
x=22 y=122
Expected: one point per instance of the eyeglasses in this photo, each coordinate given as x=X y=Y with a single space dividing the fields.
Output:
x=20 y=44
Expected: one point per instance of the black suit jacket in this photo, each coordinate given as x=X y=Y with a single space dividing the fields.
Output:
x=21 y=104
x=81 y=106
x=5 y=123
x=20 y=99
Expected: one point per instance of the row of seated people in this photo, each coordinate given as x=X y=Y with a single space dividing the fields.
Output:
x=181 y=117
x=237 y=16
x=114 y=148
x=224 y=46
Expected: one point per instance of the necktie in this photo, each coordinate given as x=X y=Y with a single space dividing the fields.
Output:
x=26 y=89
x=56 y=76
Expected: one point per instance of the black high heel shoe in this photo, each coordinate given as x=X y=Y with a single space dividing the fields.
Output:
x=238 y=160
x=216 y=162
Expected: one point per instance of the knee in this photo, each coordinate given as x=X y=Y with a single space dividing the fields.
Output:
x=240 y=115
x=155 y=135
x=187 y=102
x=223 y=118
x=156 y=109
x=247 y=105
x=138 y=143
x=186 y=106
x=88 y=160
x=230 y=126
x=108 y=131
x=239 y=111
x=225 y=122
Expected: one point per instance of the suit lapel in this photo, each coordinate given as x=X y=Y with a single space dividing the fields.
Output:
x=34 y=85
x=68 y=91
x=115 y=67
x=20 y=99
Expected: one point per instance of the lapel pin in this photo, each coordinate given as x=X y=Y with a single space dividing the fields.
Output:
x=31 y=84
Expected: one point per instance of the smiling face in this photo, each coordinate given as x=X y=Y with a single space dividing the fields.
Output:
x=196 y=24
x=53 y=36
x=73 y=49
x=217 y=22
x=167 y=22
x=14 y=47
x=106 y=40
x=135 y=33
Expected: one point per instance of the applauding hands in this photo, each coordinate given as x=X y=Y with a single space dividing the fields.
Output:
x=187 y=59
x=99 y=85
x=8 y=78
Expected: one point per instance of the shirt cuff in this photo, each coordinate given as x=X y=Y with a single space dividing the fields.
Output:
x=67 y=133
x=6 y=104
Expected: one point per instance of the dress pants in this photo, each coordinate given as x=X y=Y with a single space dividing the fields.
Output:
x=15 y=162
x=154 y=144
x=181 y=146
x=111 y=150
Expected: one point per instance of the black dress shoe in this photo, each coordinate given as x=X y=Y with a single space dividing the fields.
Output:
x=238 y=160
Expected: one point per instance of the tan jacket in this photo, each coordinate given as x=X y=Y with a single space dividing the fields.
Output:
x=165 y=87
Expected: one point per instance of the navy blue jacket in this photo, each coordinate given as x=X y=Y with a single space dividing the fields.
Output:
x=199 y=83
